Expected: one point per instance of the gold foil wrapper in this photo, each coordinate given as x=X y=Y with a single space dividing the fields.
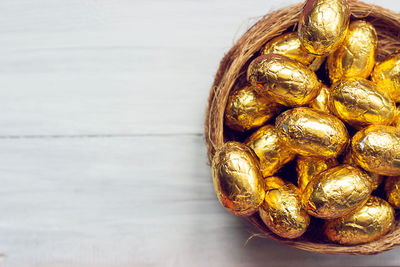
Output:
x=321 y=102
x=269 y=149
x=323 y=25
x=248 y=109
x=358 y=102
x=336 y=192
x=376 y=178
x=237 y=179
x=386 y=75
x=289 y=45
x=377 y=149
x=396 y=121
x=285 y=80
x=356 y=56
x=392 y=190
x=366 y=224
x=308 y=167
x=312 y=133
x=282 y=210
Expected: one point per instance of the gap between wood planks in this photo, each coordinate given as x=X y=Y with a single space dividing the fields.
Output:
x=98 y=135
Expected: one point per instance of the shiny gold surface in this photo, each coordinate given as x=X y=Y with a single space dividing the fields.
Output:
x=308 y=167
x=323 y=25
x=386 y=75
x=312 y=133
x=285 y=80
x=359 y=103
x=271 y=152
x=247 y=109
x=356 y=56
x=321 y=102
x=377 y=149
x=396 y=121
x=282 y=210
x=376 y=178
x=392 y=189
x=289 y=45
x=337 y=191
x=237 y=179
x=366 y=224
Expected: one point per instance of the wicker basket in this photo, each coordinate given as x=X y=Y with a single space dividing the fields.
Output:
x=232 y=73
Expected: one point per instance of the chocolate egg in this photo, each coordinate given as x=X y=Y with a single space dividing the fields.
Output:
x=282 y=210
x=321 y=102
x=377 y=149
x=386 y=75
x=237 y=179
x=285 y=80
x=392 y=189
x=308 y=167
x=336 y=192
x=376 y=178
x=358 y=102
x=269 y=149
x=356 y=56
x=289 y=45
x=310 y=132
x=368 y=223
x=323 y=25
x=247 y=109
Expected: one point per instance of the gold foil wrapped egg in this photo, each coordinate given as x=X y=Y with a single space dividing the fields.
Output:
x=237 y=179
x=271 y=152
x=368 y=223
x=356 y=56
x=377 y=149
x=285 y=80
x=376 y=178
x=392 y=189
x=358 y=102
x=282 y=210
x=247 y=109
x=289 y=45
x=336 y=192
x=386 y=75
x=308 y=167
x=312 y=133
x=323 y=25
x=321 y=102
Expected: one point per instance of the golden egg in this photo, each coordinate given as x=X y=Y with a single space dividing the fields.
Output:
x=247 y=109
x=269 y=149
x=356 y=56
x=285 y=80
x=386 y=75
x=237 y=179
x=282 y=210
x=309 y=132
x=289 y=45
x=376 y=178
x=336 y=192
x=308 y=167
x=323 y=25
x=321 y=102
x=377 y=149
x=359 y=103
x=368 y=223
x=392 y=189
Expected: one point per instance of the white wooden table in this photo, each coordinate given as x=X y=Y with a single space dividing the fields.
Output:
x=102 y=158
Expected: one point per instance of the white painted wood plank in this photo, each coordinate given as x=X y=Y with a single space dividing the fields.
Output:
x=114 y=67
x=128 y=201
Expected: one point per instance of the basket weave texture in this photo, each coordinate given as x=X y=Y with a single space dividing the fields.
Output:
x=232 y=74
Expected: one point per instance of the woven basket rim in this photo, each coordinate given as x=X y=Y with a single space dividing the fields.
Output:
x=231 y=70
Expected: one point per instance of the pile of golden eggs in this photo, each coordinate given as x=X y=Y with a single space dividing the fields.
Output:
x=344 y=135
